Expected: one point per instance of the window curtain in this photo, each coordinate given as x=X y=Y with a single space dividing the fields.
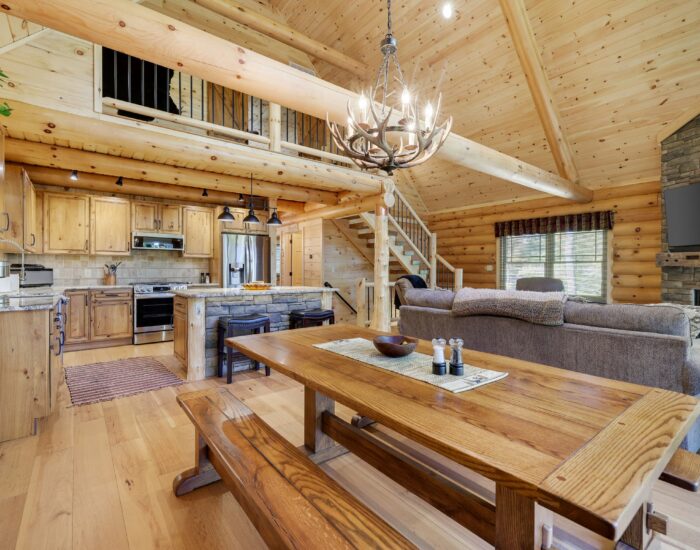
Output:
x=589 y=221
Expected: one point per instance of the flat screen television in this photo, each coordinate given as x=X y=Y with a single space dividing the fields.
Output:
x=683 y=217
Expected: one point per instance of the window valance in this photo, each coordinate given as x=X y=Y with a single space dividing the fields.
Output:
x=588 y=221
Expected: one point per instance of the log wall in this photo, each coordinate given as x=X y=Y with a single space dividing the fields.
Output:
x=466 y=238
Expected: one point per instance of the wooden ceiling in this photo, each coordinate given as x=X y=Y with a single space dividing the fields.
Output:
x=619 y=69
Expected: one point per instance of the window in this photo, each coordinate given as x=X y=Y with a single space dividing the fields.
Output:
x=579 y=259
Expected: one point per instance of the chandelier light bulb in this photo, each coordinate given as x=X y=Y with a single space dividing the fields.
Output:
x=364 y=105
x=405 y=97
x=447 y=10
x=429 y=115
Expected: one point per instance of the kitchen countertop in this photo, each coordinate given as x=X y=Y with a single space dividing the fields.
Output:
x=233 y=292
x=29 y=300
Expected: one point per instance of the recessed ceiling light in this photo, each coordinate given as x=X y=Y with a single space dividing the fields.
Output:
x=447 y=10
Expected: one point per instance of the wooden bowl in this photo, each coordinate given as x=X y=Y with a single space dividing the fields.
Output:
x=395 y=346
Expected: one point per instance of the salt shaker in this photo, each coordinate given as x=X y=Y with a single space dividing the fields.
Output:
x=456 y=364
x=439 y=366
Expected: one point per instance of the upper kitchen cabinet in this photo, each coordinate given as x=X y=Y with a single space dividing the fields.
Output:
x=154 y=217
x=12 y=208
x=110 y=224
x=198 y=222
x=32 y=219
x=66 y=223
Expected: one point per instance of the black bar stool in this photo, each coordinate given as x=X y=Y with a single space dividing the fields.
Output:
x=300 y=318
x=228 y=327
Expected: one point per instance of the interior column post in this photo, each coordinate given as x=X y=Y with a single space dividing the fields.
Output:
x=275 y=120
x=382 y=296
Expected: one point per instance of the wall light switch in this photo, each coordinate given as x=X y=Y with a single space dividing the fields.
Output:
x=489 y=268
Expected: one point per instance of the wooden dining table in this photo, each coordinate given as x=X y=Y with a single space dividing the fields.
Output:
x=552 y=440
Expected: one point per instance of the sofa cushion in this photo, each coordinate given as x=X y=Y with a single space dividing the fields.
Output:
x=422 y=297
x=639 y=318
x=542 y=308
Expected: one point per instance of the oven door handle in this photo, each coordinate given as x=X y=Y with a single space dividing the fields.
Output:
x=153 y=295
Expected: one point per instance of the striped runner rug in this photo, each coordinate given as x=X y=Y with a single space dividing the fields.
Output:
x=106 y=381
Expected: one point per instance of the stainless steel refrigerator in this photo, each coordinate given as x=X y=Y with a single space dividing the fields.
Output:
x=246 y=258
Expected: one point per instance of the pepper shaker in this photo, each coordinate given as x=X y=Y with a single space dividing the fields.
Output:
x=456 y=364
x=439 y=365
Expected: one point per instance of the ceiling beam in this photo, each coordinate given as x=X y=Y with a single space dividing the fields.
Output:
x=133 y=29
x=40 y=154
x=531 y=62
x=274 y=29
x=7 y=48
x=345 y=209
x=56 y=177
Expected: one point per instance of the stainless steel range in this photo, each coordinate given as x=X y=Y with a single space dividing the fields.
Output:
x=153 y=311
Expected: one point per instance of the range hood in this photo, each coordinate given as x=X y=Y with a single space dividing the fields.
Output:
x=157 y=241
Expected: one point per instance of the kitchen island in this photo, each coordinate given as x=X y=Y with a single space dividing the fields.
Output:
x=198 y=310
x=31 y=366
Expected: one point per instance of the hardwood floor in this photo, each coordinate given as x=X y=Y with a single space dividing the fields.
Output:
x=100 y=476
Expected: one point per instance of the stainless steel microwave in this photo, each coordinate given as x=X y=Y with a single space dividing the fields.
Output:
x=157 y=241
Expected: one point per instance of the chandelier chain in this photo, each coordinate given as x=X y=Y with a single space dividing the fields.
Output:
x=388 y=15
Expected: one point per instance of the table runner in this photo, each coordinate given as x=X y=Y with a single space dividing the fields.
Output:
x=416 y=365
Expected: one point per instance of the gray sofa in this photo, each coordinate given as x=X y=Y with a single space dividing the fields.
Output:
x=647 y=345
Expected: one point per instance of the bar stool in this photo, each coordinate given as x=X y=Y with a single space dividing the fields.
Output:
x=300 y=318
x=227 y=327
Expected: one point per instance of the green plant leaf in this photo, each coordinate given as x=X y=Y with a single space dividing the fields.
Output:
x=5 y=109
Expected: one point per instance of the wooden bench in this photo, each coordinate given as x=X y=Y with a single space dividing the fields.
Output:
x=683 y=470
x=289 y=499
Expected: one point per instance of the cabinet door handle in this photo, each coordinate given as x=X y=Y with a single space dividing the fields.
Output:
x=86 y=244
x=33 y=239
x=7 y=222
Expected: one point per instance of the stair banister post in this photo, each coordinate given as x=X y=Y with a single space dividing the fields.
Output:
x=433 y=260
x=459 y=278
x=361 y=296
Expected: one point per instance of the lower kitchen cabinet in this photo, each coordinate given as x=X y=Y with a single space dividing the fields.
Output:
x=78 y=317
x=99 y=318
x=111 y=319
x=180 y=329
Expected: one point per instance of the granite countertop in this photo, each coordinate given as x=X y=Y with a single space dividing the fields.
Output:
x=29 y=300
x=233 y=292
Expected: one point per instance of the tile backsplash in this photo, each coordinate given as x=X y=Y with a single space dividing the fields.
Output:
x=141 y=266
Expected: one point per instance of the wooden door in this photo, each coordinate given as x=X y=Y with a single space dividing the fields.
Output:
x=110 y=224
x=180 y=329
x=111 y=319
x=144 y=216
x=199 y=231
x=170 y=219
x=31 y=226
x=66 y=223
x=78 y=317
x=12 y=214
x=297 y=259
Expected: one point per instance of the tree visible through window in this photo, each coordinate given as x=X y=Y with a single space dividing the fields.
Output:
x=579 y=259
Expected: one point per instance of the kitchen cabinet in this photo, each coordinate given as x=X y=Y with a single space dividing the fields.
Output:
x=180 y=329
x=12 y=209
x=198 y=224
x=110 y=224
x=155 y=217
x=66 y=223
x=78 y=317
x=111 y=315
x=32 y=225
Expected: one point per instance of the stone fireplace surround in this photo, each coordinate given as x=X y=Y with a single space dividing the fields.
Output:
x=680 y=166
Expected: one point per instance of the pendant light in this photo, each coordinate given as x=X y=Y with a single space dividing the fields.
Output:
x=251 y=217
x=274 y=219
x=226 y=215
x=205 y=193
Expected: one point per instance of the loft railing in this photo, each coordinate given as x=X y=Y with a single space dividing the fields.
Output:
x=148 y=92
x=365 y=303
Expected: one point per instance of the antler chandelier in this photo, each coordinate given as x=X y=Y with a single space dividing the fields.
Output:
x=376 y=136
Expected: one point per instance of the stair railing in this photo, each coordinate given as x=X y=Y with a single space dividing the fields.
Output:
x=365 y=303
x=448 y=276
